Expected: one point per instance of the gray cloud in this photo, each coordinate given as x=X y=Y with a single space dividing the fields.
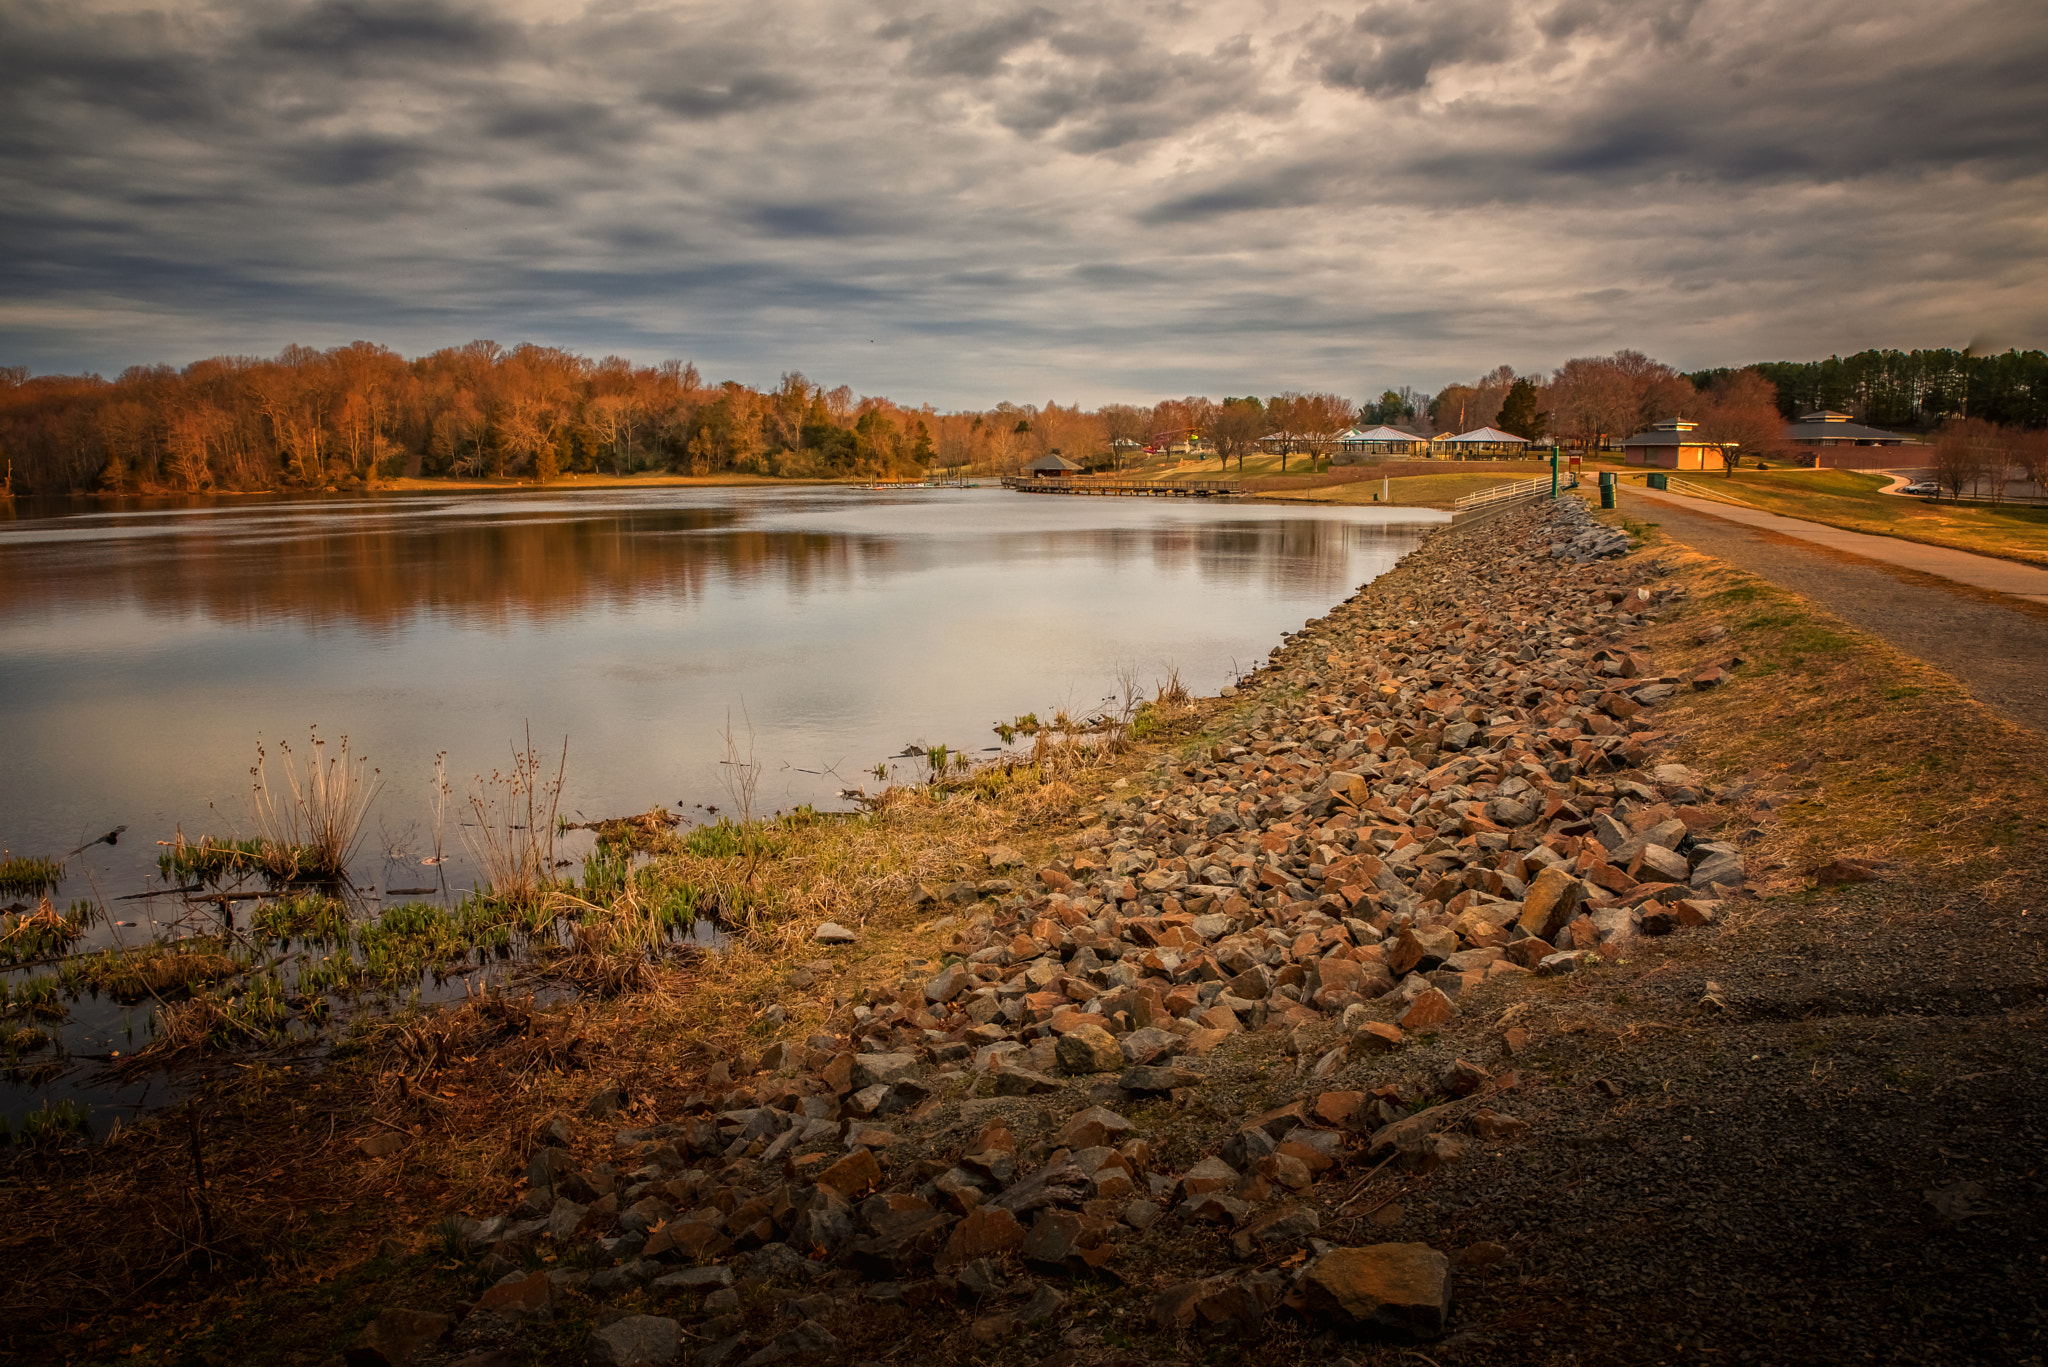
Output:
x=1393 y=46
x=1017 y=199
x=407 y=32
x=975 y=49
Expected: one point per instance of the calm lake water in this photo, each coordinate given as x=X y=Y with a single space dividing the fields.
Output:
x=146 y=650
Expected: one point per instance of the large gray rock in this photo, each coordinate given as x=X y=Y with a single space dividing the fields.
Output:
x=1090 y=1049
x=1717 y=863
x=636 y=1339
x=871 y=1070
x=948 y=984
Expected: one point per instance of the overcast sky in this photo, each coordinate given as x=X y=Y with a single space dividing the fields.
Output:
x=960 y=203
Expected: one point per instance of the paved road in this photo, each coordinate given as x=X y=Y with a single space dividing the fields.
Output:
x=1978 y=571
x=1998 y=649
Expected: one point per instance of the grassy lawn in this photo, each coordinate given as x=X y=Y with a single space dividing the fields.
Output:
x=1412 y=491
x=1255 y=467
x=1850 y=500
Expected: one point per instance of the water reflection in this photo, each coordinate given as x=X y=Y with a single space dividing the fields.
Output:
x=379 y=565
x=144 y=649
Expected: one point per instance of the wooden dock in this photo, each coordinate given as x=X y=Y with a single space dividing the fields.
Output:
x=1123 y=488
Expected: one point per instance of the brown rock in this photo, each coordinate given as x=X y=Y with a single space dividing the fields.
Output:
x=396 y=1337
x=1482 y=1254
x=1285 y=1170
x=1339 y=1108
x=1430 y=1009
x=523 y=1299
x=1405 y=1288
x=852 y=1174
x=1209 y=1175
x=693 y=1239
x=1093 y=1128
x=1464 y=1077
x=986 y=1232
x=1493 y=1125
x=1838 y=871
x=1061 y=1239
x=1373 y=1037
x=1549 y=904
x=1405 y=953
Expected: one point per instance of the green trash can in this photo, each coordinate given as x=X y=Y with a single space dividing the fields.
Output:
x=1607 y=488
x=1659 y=480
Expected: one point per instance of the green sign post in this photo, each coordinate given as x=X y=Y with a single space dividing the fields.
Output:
x=1553 y=469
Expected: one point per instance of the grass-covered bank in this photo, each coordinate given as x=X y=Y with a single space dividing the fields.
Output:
x=1851 y=500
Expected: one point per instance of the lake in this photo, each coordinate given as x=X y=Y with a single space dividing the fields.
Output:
x=147 y=649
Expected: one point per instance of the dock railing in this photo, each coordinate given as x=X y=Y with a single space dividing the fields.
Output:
x=1123 y=488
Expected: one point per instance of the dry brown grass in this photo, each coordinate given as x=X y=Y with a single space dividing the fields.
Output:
x=1858 y=749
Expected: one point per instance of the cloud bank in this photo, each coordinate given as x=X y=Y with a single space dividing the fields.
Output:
x=1030 y=200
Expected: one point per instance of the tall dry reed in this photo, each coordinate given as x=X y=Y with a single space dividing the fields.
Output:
x=511 y=833
x=315 y=830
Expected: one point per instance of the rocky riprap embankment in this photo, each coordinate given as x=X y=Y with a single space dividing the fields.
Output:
x=1449 y=781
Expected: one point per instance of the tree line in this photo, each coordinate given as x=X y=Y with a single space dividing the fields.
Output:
x=351 y=415
x=1590 y=400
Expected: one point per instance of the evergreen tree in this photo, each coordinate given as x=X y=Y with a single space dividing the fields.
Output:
x=1519 y=414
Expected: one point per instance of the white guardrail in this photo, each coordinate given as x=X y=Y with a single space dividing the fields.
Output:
x=1686 y=486
x=1508 y=493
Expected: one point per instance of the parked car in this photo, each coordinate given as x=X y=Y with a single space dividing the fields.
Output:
x=1924 y=487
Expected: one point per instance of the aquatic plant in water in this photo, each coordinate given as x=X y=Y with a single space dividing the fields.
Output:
x=43 y=931
x=511 y=836
x=314 y=831
x=29 y=875
x=52 y=1122
x=156 y=970
x=311 y=917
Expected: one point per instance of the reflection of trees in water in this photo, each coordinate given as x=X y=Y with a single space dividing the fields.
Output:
x=1305 y=554
x=376 y=570
x=380 y=572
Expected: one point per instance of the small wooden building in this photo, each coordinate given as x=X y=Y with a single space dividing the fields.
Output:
x=1052 y=465
x=1671 y=445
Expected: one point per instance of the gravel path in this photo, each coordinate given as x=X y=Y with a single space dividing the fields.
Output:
x=1998 y=649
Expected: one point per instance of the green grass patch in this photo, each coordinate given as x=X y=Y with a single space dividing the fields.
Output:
x=43 y=931
x=29 y=875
